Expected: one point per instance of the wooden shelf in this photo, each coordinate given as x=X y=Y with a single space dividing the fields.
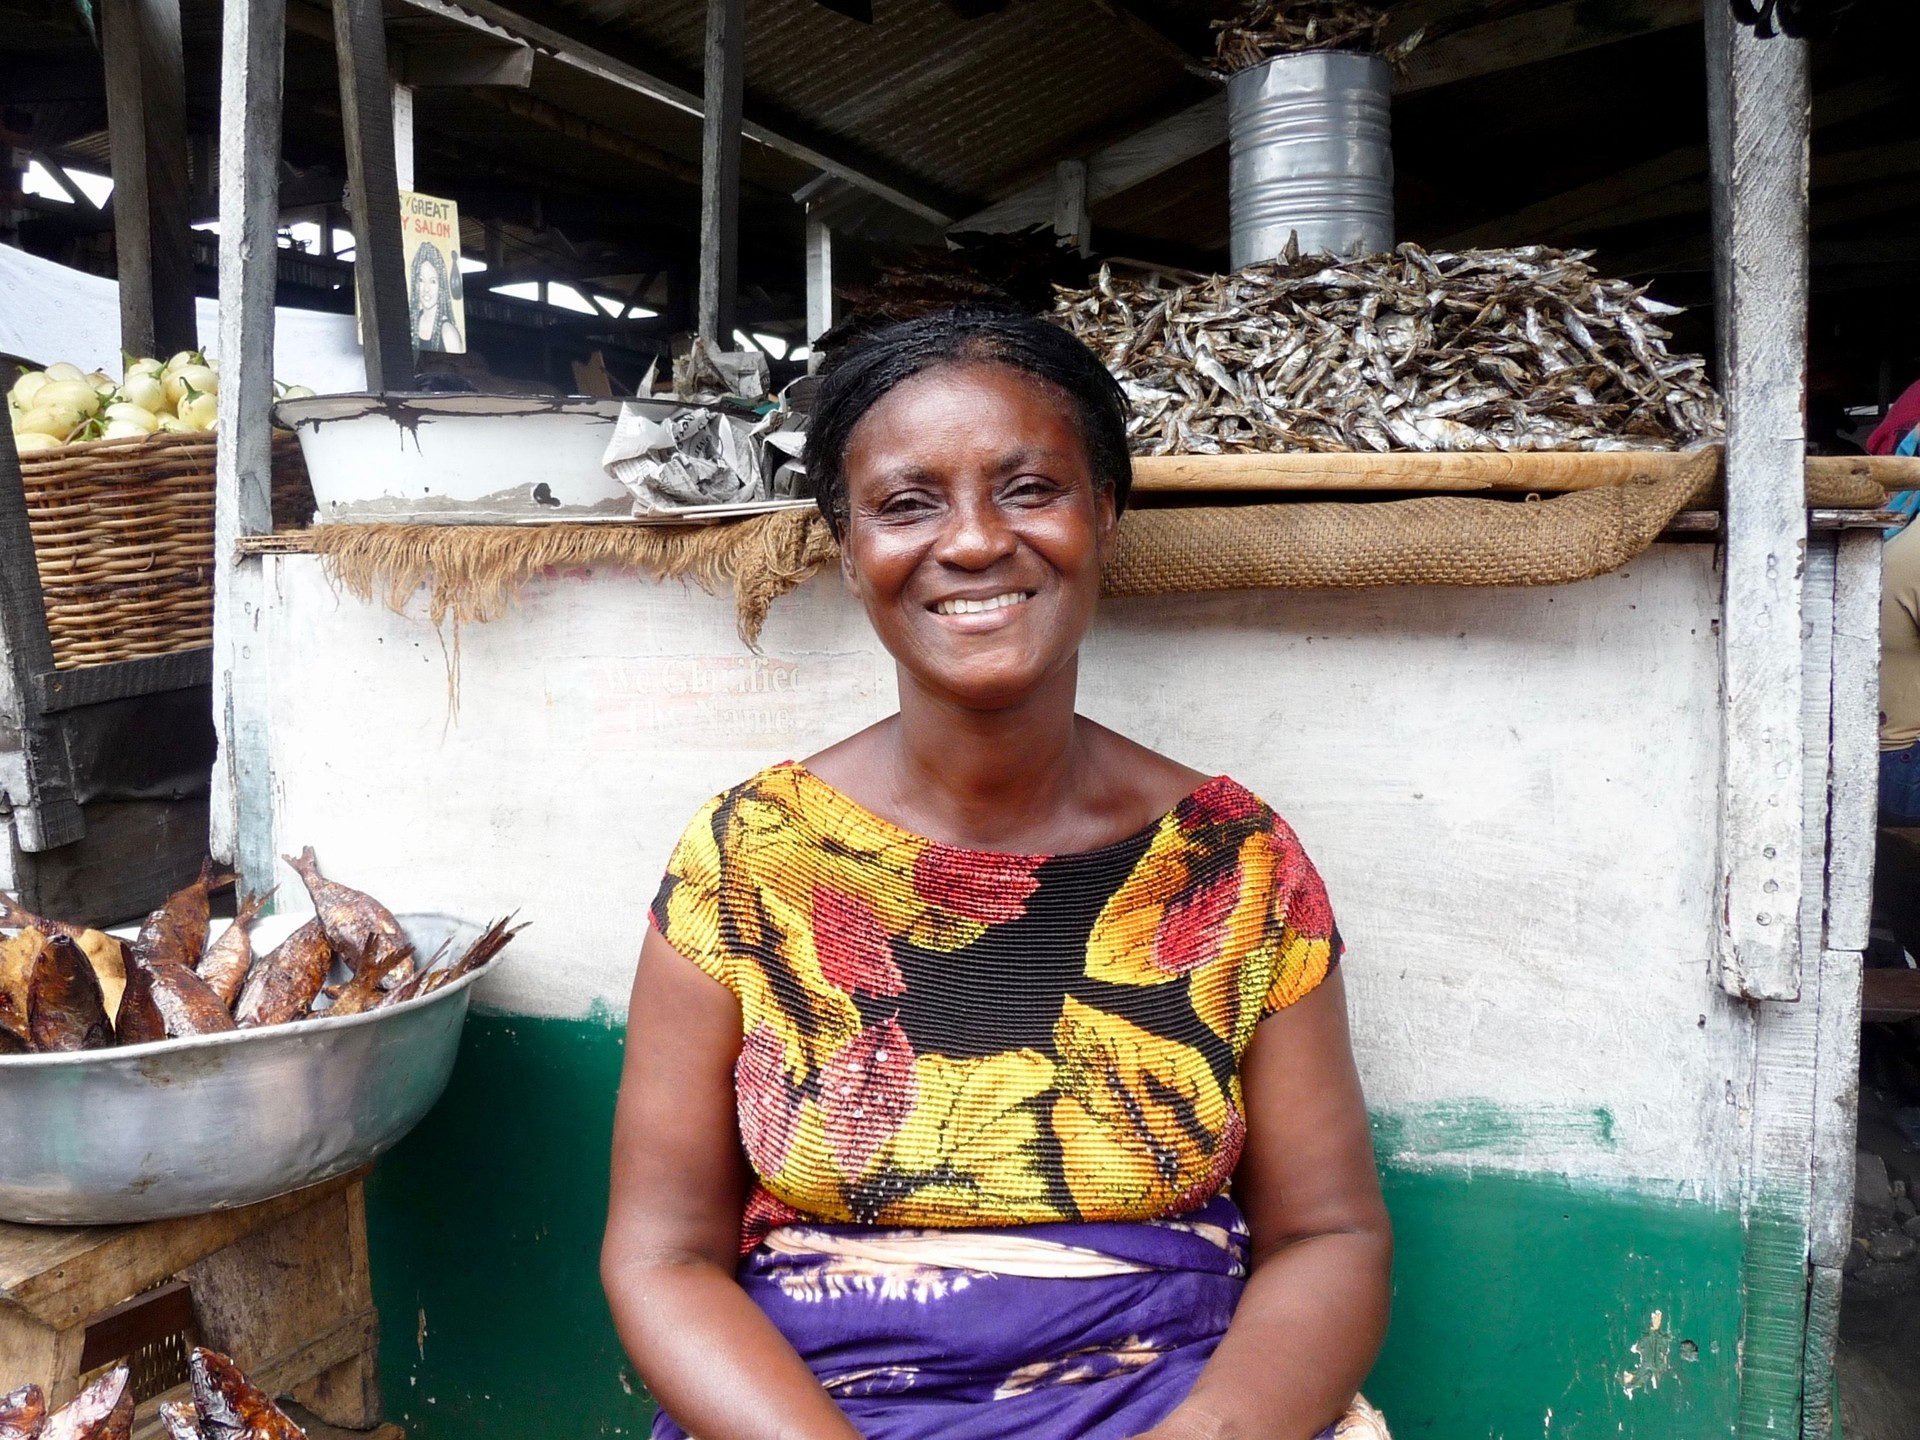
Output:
x=1468 y=472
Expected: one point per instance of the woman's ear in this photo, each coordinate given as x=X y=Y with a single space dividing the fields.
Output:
x=848 y=575
x=1106 y=517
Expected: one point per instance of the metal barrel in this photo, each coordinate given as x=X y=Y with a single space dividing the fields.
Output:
x=1310 y=150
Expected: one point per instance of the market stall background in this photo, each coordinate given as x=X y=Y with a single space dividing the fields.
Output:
x=1517 y=1144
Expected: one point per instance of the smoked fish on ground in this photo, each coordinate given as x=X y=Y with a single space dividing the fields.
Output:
x=22 y=1413
x=230 y=1406
x=102 y=1411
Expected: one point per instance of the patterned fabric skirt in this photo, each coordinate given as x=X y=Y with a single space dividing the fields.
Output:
x=1051 y=1332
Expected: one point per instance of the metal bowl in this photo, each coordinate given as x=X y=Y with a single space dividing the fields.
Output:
x=213 y=1122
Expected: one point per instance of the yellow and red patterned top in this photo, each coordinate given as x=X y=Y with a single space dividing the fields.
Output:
x=935 y=1036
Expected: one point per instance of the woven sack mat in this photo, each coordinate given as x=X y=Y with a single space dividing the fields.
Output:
x=473 y=572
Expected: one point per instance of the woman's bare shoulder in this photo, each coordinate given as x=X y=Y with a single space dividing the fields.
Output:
x=1159 y=781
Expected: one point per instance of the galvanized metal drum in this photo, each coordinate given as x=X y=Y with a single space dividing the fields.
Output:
x=182 y=1127
x=1310 y=152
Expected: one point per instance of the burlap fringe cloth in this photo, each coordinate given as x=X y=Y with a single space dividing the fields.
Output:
x=472 y=573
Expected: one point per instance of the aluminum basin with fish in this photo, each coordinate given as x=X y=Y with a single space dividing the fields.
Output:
x=212 y=1122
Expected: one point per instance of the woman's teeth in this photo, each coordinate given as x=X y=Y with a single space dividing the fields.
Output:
x=975 y=607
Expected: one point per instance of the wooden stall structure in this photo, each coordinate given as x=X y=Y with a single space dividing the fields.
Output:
x=1602 y=851
x=282 y=1286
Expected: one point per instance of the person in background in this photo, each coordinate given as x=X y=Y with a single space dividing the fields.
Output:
x=1900 y=680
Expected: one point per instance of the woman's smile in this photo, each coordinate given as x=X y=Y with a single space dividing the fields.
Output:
x=977 y=612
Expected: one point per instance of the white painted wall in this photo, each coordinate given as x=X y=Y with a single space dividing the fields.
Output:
x=1511 y=795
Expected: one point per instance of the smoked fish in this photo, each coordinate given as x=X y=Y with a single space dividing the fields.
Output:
x=65 y=1009
x=228 y=959
x=282 y=984
x=102 y=1411
x=363 y=992
x=177 y=931
x=361 y=930
x=232 y=1408
x=181 y=1421
x=22 y=1413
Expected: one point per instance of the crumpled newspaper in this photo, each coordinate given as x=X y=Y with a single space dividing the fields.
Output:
x=706 y=455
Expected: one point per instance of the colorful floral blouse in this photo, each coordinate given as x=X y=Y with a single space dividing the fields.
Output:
x=944 y=1037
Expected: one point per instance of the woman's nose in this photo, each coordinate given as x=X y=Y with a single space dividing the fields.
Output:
x=976 y=534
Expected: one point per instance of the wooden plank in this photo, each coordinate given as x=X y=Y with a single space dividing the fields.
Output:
x=780 y=133
x=149 y=675
x=1854 y=788
x=64 y=1275
x=1821 y=1420
x=1816 y=698
x=34 y=773
x=819 y=278
x=1758 y=125
x=1836 y=1103
x=1468 y=471
x=147 y=122
x=1889 y=995
x=720 y=168
x=366 y=117
x=1070 y=204
x=402 y=135
x=481 y=62
x=252 y=63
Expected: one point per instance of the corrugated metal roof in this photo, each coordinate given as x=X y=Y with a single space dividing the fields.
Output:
x=972 y=106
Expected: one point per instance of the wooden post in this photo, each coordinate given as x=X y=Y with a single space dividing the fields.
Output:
x=819 y=278
x=366 y=115
x=1757 y=92
x=1070 y=204
x=402 y=136
x=147 y=123
x=252 y=60
x=720 y=168
x=35 y=780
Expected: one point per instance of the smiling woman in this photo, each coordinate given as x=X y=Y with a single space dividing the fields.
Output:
x=988 y=1073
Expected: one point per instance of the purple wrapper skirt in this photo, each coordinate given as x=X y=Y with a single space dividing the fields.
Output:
x=1050 y=1332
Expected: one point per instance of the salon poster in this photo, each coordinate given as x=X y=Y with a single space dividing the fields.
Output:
x=430 y=246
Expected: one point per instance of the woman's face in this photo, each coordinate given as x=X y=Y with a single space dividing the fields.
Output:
x=974 y=532
x=427 y=287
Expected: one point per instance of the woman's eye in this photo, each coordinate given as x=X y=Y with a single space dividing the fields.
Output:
x=1030 y=489
x=907 y=503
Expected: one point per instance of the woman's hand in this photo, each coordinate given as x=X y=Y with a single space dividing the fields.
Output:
x=706 y=1351
x=1315 y=1308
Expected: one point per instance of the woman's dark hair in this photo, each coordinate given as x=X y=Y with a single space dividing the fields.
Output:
x=856 y=380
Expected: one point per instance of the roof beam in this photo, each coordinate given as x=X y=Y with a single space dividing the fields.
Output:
x=660 y=81
x=1483 y=49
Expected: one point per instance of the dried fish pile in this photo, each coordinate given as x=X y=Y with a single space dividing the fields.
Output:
x=1524 y=349
x=225 y=1406
x=1266 y=28
x=64 y=987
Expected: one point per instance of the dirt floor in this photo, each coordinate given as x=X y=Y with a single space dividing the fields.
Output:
x=1879 y=1353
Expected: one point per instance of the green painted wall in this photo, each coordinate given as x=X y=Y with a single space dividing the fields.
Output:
x=1519 y=1300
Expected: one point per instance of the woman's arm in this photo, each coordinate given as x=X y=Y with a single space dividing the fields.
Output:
x=703 y=1348
x=1315 y=1308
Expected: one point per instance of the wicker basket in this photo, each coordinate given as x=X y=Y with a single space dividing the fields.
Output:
x=123 y=539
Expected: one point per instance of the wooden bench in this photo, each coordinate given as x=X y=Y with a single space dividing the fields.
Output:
x=282 y=1287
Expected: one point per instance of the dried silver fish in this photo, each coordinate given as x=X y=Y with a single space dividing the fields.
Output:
x=1265 y=28
x=1516 y=349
